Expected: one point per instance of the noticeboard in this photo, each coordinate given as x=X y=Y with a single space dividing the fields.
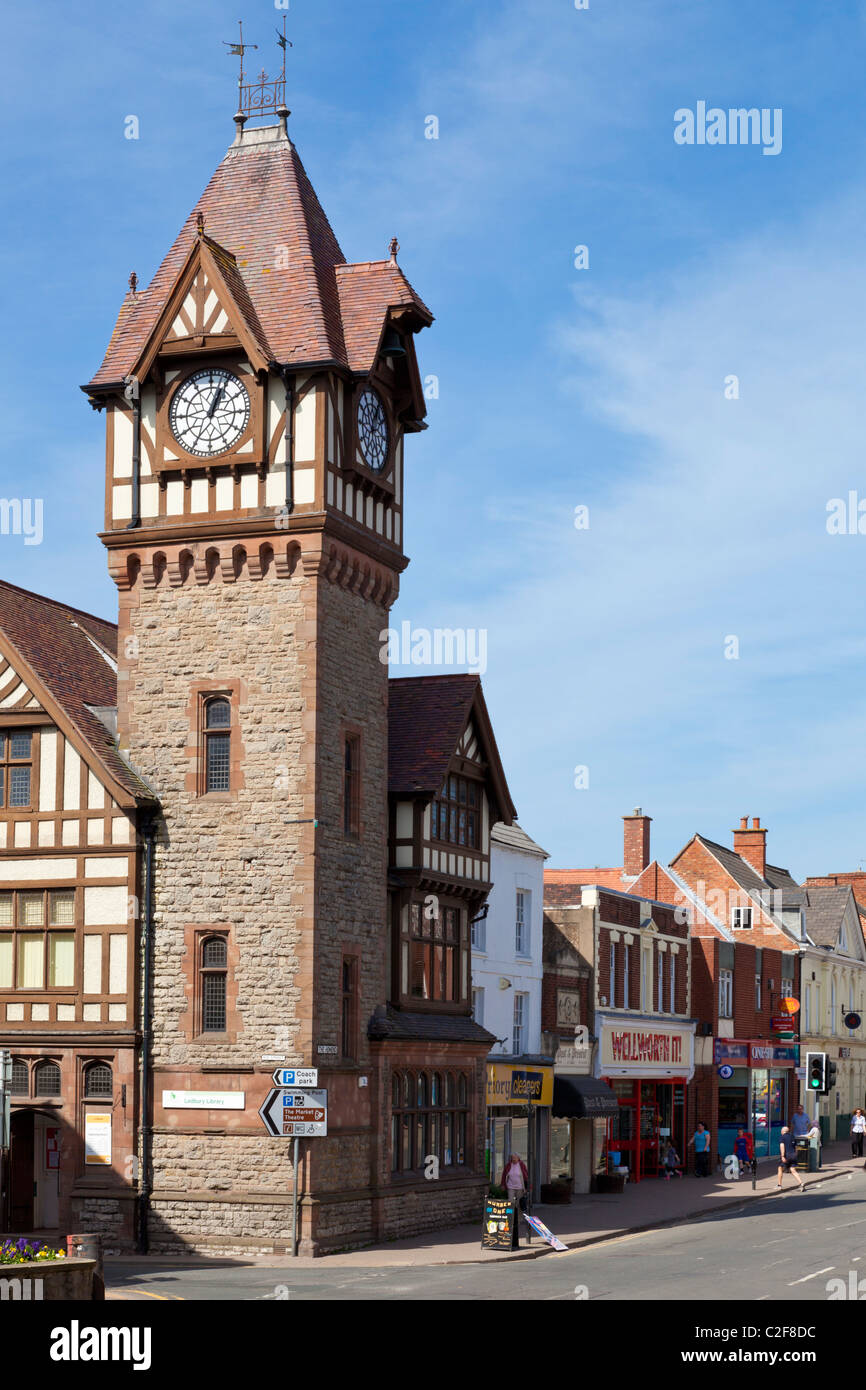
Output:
x=499 y=1225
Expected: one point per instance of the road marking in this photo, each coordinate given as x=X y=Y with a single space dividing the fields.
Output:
x=145 y=1293
x=807 y=1277
x=846 y=1225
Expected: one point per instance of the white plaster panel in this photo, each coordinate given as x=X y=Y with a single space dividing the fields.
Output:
x=404 y=820
x=149 y=499
x=174 y=497
x=305 y=485
x=48 y=770
x=71 y=832
x=198 y=498
x=117 y=964
x=95 y=792
x=106 y=868
x=104 y=907
x=305 y=428
x=30 y=870
x=122 y=443
x=249 y=490
x=46 y=833
x=121 y=504
x=71 y=778
x=92 y=964
x=225 y=493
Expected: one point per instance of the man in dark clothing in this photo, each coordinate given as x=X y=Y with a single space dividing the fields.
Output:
x=788 y=1156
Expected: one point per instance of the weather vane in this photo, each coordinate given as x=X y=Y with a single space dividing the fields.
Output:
x=266 y=95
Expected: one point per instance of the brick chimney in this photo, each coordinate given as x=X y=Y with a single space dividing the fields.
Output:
x=751 y=844
x=635 y=843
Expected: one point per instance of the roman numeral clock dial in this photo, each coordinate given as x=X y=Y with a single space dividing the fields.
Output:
x=209 y=412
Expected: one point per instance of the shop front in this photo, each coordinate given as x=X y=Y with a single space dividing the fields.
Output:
x=755 y=1092
x=647 y=1063
x=519 y=1097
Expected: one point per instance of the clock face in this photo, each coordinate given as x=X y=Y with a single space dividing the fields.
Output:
x=373 y=431
x=209 y=412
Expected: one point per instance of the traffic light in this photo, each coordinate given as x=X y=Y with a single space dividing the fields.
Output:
x=831 y=1075
x=816 y=1073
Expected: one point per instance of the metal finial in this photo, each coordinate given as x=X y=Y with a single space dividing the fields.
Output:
x=199 y=222
x=394 y=248
x=133 y=281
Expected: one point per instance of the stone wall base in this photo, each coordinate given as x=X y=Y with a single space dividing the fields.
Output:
x=327 y=1224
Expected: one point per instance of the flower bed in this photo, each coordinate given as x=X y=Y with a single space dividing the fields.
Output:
x=24 y=1251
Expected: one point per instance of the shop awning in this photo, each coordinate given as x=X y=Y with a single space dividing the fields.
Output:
x=582 y=1097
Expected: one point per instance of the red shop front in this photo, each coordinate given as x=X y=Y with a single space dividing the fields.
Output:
x=648 y=1065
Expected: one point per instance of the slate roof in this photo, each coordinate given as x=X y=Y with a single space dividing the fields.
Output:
x=261 y=208
x=57 y=643
x=388 y=1022
x=825 y=910
x=515 y=837
x=739 y=869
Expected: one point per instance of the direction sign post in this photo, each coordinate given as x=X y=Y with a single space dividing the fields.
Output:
x=293 y=1112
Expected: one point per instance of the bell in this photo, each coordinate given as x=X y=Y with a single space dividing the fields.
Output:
x=391 y=346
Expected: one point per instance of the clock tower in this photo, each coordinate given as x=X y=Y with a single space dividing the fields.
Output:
x=257 y=396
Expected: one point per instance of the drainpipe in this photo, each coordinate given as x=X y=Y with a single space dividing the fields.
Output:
x=288 y=380
x=144 y=1130
x=132 y=393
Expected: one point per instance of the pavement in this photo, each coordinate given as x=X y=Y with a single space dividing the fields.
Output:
x=585 y=1221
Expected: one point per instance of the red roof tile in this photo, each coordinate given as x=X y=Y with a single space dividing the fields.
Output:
x=57 y=643
x=426 y=717
x=261 y=207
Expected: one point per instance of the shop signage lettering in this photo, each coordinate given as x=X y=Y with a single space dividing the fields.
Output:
x=646 y=1047
x=519 y=1085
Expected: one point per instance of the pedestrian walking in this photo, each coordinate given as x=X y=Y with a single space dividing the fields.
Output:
x=515 y=1180
x=701 y=1141
x=744 y=1148
x=673 y=1164
x=858 y=1130
x=788 y=1157
x=800 y=1123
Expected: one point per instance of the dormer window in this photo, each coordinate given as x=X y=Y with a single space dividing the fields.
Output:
x=741 y=918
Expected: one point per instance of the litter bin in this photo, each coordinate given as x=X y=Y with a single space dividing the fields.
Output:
x=814 y=1153
x=804 y=1155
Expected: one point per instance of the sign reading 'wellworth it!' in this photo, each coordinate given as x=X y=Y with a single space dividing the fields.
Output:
x=644 y=1048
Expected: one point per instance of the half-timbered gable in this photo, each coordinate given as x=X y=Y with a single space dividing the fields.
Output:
x=446 y=789
x=68 y=910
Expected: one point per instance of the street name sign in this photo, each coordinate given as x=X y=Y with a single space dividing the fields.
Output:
x=296 y=1114
x=296 y=1076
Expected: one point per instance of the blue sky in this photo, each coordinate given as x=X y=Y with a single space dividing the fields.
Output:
x=558 y=387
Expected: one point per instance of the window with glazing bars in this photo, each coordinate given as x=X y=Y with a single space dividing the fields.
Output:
x=214 y=960
x=98 y=1081
x=16 y=765
x=218 y=739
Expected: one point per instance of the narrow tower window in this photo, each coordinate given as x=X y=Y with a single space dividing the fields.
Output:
x=217 y=737
x=214 y=961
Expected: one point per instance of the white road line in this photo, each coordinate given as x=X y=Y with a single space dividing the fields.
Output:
x=807 y=1277
x=846 y=1225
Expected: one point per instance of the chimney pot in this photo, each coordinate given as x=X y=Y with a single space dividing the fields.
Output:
x=744 y=822
x=756 y=822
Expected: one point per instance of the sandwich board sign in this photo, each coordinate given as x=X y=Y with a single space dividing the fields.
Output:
x=296 y=1114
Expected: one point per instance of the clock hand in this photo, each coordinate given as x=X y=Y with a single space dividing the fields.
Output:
x=215 y=402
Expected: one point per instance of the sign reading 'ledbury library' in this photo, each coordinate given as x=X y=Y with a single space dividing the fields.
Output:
x=651 y=1048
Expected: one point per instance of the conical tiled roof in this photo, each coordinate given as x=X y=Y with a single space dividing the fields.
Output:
x=261 y=207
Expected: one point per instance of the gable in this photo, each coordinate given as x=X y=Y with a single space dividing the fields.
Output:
x=15 y=694
x=201 y=312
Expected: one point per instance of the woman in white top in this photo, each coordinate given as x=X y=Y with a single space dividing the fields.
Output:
x=858 y=1131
